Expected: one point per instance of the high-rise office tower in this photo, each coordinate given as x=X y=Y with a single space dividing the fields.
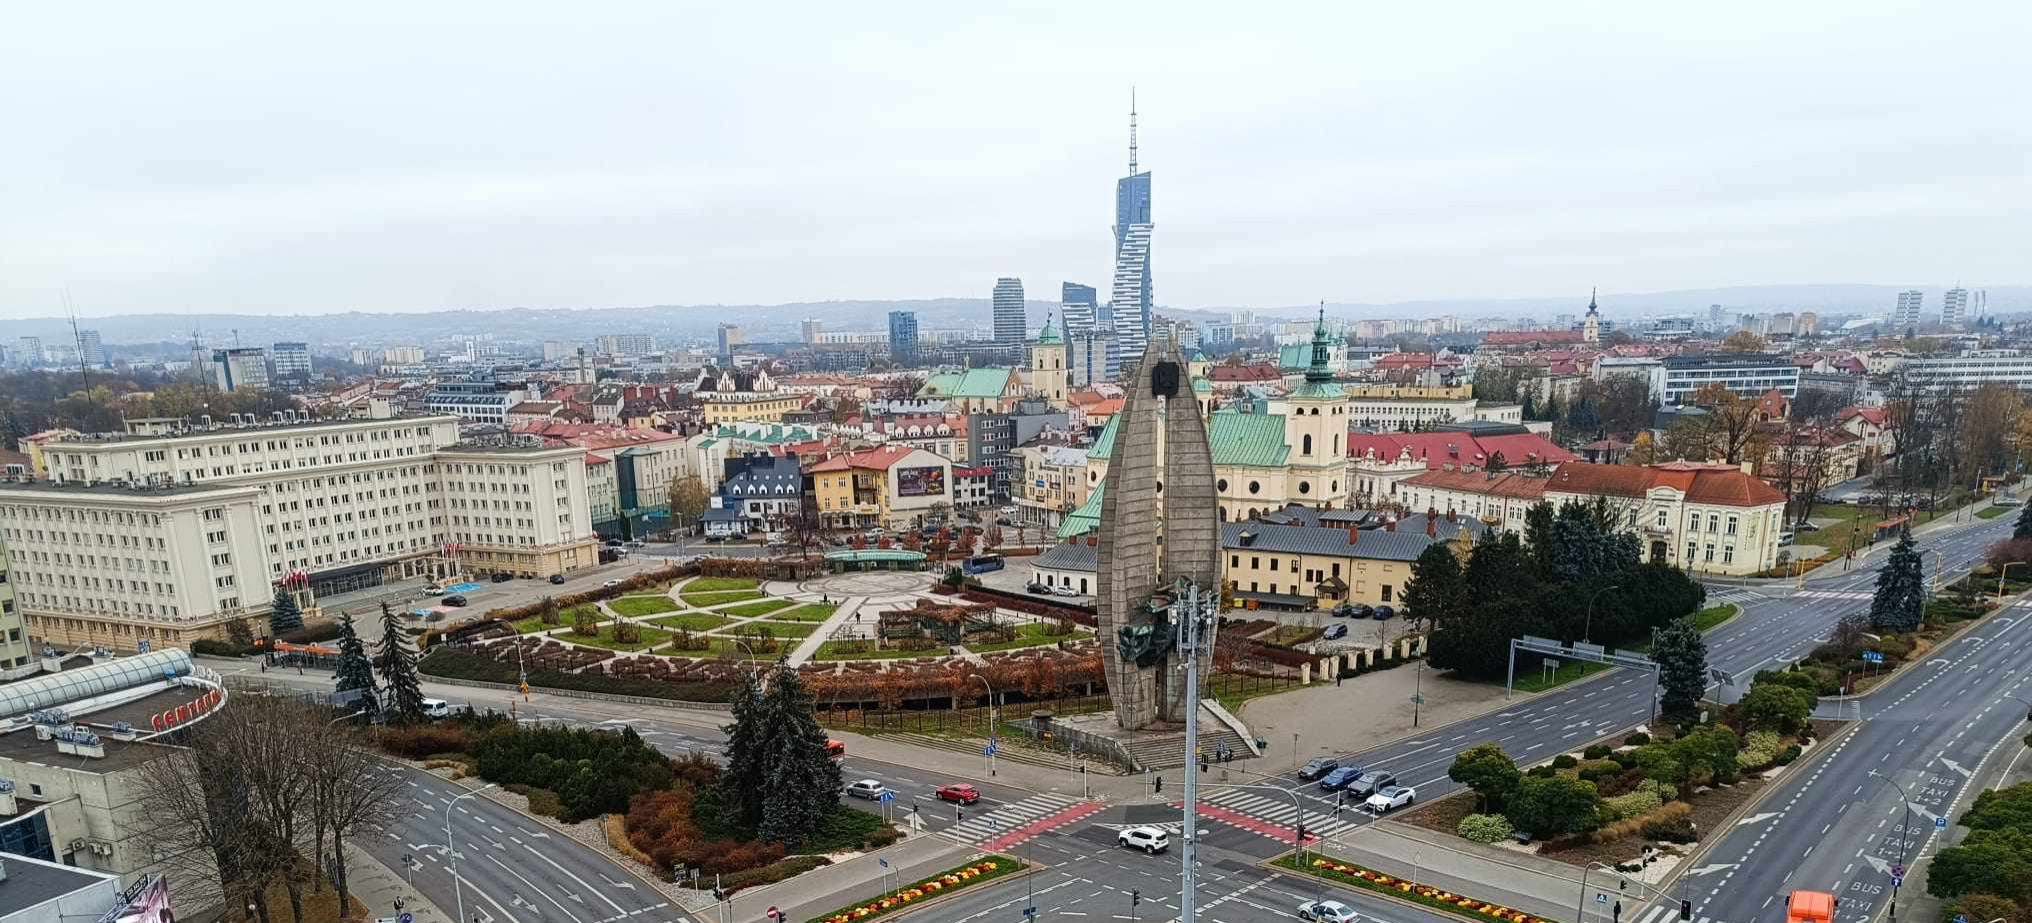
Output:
x=730 y=337
x=811 y=328
x=1954 y=307
x=1130 y=295
x=1714 y=316
x=29 y=352
x=292 y=360
x=903 y=337
x=1909 y=304
x=91 y=353
x=240 y=368
x=1009 y=311
x=1079 y=307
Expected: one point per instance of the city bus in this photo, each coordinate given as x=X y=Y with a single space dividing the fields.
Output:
x=982 y=563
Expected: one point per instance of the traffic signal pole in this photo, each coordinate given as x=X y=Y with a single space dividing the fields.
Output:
x=1193 y=612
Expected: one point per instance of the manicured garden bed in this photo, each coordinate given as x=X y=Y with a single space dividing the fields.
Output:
x=650 y=638
x=758 y=607
x=1355 y=876
x=638 y=606
x=1030 y=635
x=693 y=621
x=777 y=629
x=809 y=612
x=845 y=650
x=974 y=873
x=714 y=599
x=711 y=584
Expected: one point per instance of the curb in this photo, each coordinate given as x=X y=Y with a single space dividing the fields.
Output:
x=1269 y=865
x=1945 y=640
x=1029 y=868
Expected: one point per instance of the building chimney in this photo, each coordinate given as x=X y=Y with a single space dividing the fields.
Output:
x=1431 y=527
x=1390 y=525
x=1354 y=536
x=1449 y=516
x=1093 y=541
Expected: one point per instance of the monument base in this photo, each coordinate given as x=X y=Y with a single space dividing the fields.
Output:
x=1162 y=745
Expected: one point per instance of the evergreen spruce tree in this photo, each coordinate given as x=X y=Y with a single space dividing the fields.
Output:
x=284 y=614
x=397 y=665
x=1435 y=590
x=355 y=670
x=804 y=782
x=1900 y=601
x=744 y=780
x=2023 y=529
x=1681 y=654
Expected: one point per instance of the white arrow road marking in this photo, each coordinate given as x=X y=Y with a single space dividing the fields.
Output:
x=533 y=888
x=1956 y=767
x=1756 y=818
x=1711 y=869
x=1916 y=809
x=534 y=835
x=1882 y=867
x=582 y=882
x=611 y=883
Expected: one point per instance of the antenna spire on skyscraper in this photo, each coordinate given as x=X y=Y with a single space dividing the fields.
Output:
x=1132 y=131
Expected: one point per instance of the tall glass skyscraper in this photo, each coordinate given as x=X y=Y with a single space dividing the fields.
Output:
x=1078 y=308
x=1130 y=294
x=1009 y=311
x=903 y=337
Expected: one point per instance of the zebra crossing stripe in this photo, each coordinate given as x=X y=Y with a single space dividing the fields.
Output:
x=1651 y=916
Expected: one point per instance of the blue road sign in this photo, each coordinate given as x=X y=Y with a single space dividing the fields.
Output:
x=1872 y=657
x=888 y=797
x=1940 y=823
x=988 y=750
x=1897 y=881
x=885 y=863
x=1958 y=918
x=407 y=917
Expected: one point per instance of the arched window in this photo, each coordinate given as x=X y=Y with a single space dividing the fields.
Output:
x=1308 y=445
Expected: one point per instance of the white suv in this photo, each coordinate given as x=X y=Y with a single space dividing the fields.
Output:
x=1149 y=839
x=871 y=789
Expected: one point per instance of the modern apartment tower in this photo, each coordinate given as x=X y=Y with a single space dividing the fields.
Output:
x=903 y=337
x=1954 y=308
x=241 y=368
x=1009 y=311
x=1909 y=303
x=1130 y=294
x=292 y=360
x=1078 y=307
x=91 y=352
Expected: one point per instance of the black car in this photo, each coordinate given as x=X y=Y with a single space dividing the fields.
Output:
x=1384 y=613
x=1371 y=782
x=1318 y=766
x=503 y=576
x=557 y=579
x=452 y=600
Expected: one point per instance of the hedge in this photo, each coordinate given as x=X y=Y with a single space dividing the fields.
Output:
x=1427 y=895
x=1485 y=828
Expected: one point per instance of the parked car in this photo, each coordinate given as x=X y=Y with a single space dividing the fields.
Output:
x=1395 y=796
x=1318 y=766
x=1151 y=840
x=636 y=543
x=1384 y=613
x=1065 y=591
x=1327 y=912
x=1335 y=633
x=1338 y=779
x=871 y=789
x=611 y=583
x=1358 y=610
x=1370 y=782
x=557 y=579
x=959 y=793
x=502 y=576
x=614 y=543
x=433 y=590
x=453 y=600
x=1040 y=589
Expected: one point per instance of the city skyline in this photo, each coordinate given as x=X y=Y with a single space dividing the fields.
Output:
x=1536 y=150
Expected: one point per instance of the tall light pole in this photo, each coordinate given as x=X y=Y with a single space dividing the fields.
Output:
x=1587 y=630
x=1934 y=577
x=1192 y=613
x=451 y=856
x=991 y=722
x=1904 y=828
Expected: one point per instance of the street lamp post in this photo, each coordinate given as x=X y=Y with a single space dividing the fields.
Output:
x=452 y=856
x=1903 y=829
x=1934 y=577
x=991 y=722
x=1587 y=630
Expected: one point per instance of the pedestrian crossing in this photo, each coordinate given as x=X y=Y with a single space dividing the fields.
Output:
x=1279 y=818
x=1667 y=913
x=999 y=823
x=1831 y=594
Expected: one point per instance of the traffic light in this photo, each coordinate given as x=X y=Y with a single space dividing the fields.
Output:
x=1686 y=909
x=958 y=815
x=1301 y=832
x=1135 y=896
x=719 y=894
x=1202 y=762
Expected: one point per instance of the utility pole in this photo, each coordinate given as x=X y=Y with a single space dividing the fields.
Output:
x=1192 y=612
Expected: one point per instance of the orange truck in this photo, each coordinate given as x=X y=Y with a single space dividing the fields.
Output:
x=1810 y=907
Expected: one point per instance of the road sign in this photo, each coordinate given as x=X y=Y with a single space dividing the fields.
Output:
x=885 y=863
x=1872 y=657
x=888 y=797
x=1940 y=823
x=1897 y=871
x=141 y=645
x=772 y=911
x=407 y=917
x=1897 y=880
x=1418 y=698
x=1601 y=898
x=1721 y=676
x=1958 y=918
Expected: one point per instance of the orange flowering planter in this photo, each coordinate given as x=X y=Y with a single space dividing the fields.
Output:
x=984 y=869
x=1371 y=880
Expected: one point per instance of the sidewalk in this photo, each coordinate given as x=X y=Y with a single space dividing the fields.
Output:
x=1514 y=879
x=1360 y=713
x=808 y=648
x=834 y=886
x=378 y=886
x=1098 y=787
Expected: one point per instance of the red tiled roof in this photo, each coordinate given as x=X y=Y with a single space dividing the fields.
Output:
x=1244 y=373
x=1732 y=488
x=1436 y=449
x=1525 y=337
x=1507 y=484
x=1871 y=415
x=881 y=458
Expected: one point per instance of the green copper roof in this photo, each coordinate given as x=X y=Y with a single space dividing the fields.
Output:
x=1318 y=390
x=981 y=383
x=1202 y=386
x=1104 y=444
x=1255 y=439
x=1049 y=335
x=1088 y=517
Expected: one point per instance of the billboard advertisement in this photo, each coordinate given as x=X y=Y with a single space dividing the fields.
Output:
x=148 y=903
x=920 y=482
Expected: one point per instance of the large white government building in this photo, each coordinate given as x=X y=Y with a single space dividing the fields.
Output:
x=168 y=531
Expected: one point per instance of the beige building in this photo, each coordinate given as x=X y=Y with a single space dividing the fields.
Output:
x=1048 y=376
x=1053 y=483
x=1305 y=565
x=891 y=487
x=14 y=651
x=518 y=510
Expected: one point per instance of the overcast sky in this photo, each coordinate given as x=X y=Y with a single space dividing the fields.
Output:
x=414 y=156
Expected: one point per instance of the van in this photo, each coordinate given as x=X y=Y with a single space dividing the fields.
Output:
x=437 y=708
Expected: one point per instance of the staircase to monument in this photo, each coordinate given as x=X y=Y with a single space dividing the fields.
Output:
x=1167 y=751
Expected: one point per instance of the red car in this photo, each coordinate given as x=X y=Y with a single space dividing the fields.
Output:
x=960 y=793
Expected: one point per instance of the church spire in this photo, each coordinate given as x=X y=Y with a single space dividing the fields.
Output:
x=1322 y=345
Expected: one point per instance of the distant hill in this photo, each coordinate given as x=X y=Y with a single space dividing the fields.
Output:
x=780 y=322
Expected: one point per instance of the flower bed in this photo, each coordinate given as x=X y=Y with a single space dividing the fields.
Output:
x=965 y=876
x=701 y=600
x=1368 y=879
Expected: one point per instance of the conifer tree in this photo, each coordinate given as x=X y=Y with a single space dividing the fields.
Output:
x=284 y=614
x=745 y=778
x=1900 y=601
x=397 y=665
x=804 y=782
x=1681 y=654
x=355 y=670
x=2023 y=528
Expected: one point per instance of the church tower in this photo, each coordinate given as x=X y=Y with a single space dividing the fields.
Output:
x=1048 y=374
x=1591 y=326
x=1316 y=430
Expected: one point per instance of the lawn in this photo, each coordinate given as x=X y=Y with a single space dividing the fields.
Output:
x=1534 y=679
x=1855 y=523
x=693 y=621
x=778 y=629
x=809 y=612
x=534 y=623
x=1712 y=617
x=838 y=650
x=714 y=599
x=1030 y=634
x=711 y=584
x=650 y=638
x=725 y=647
x=1992 y=512
x=642 y=605
x=759 y=607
